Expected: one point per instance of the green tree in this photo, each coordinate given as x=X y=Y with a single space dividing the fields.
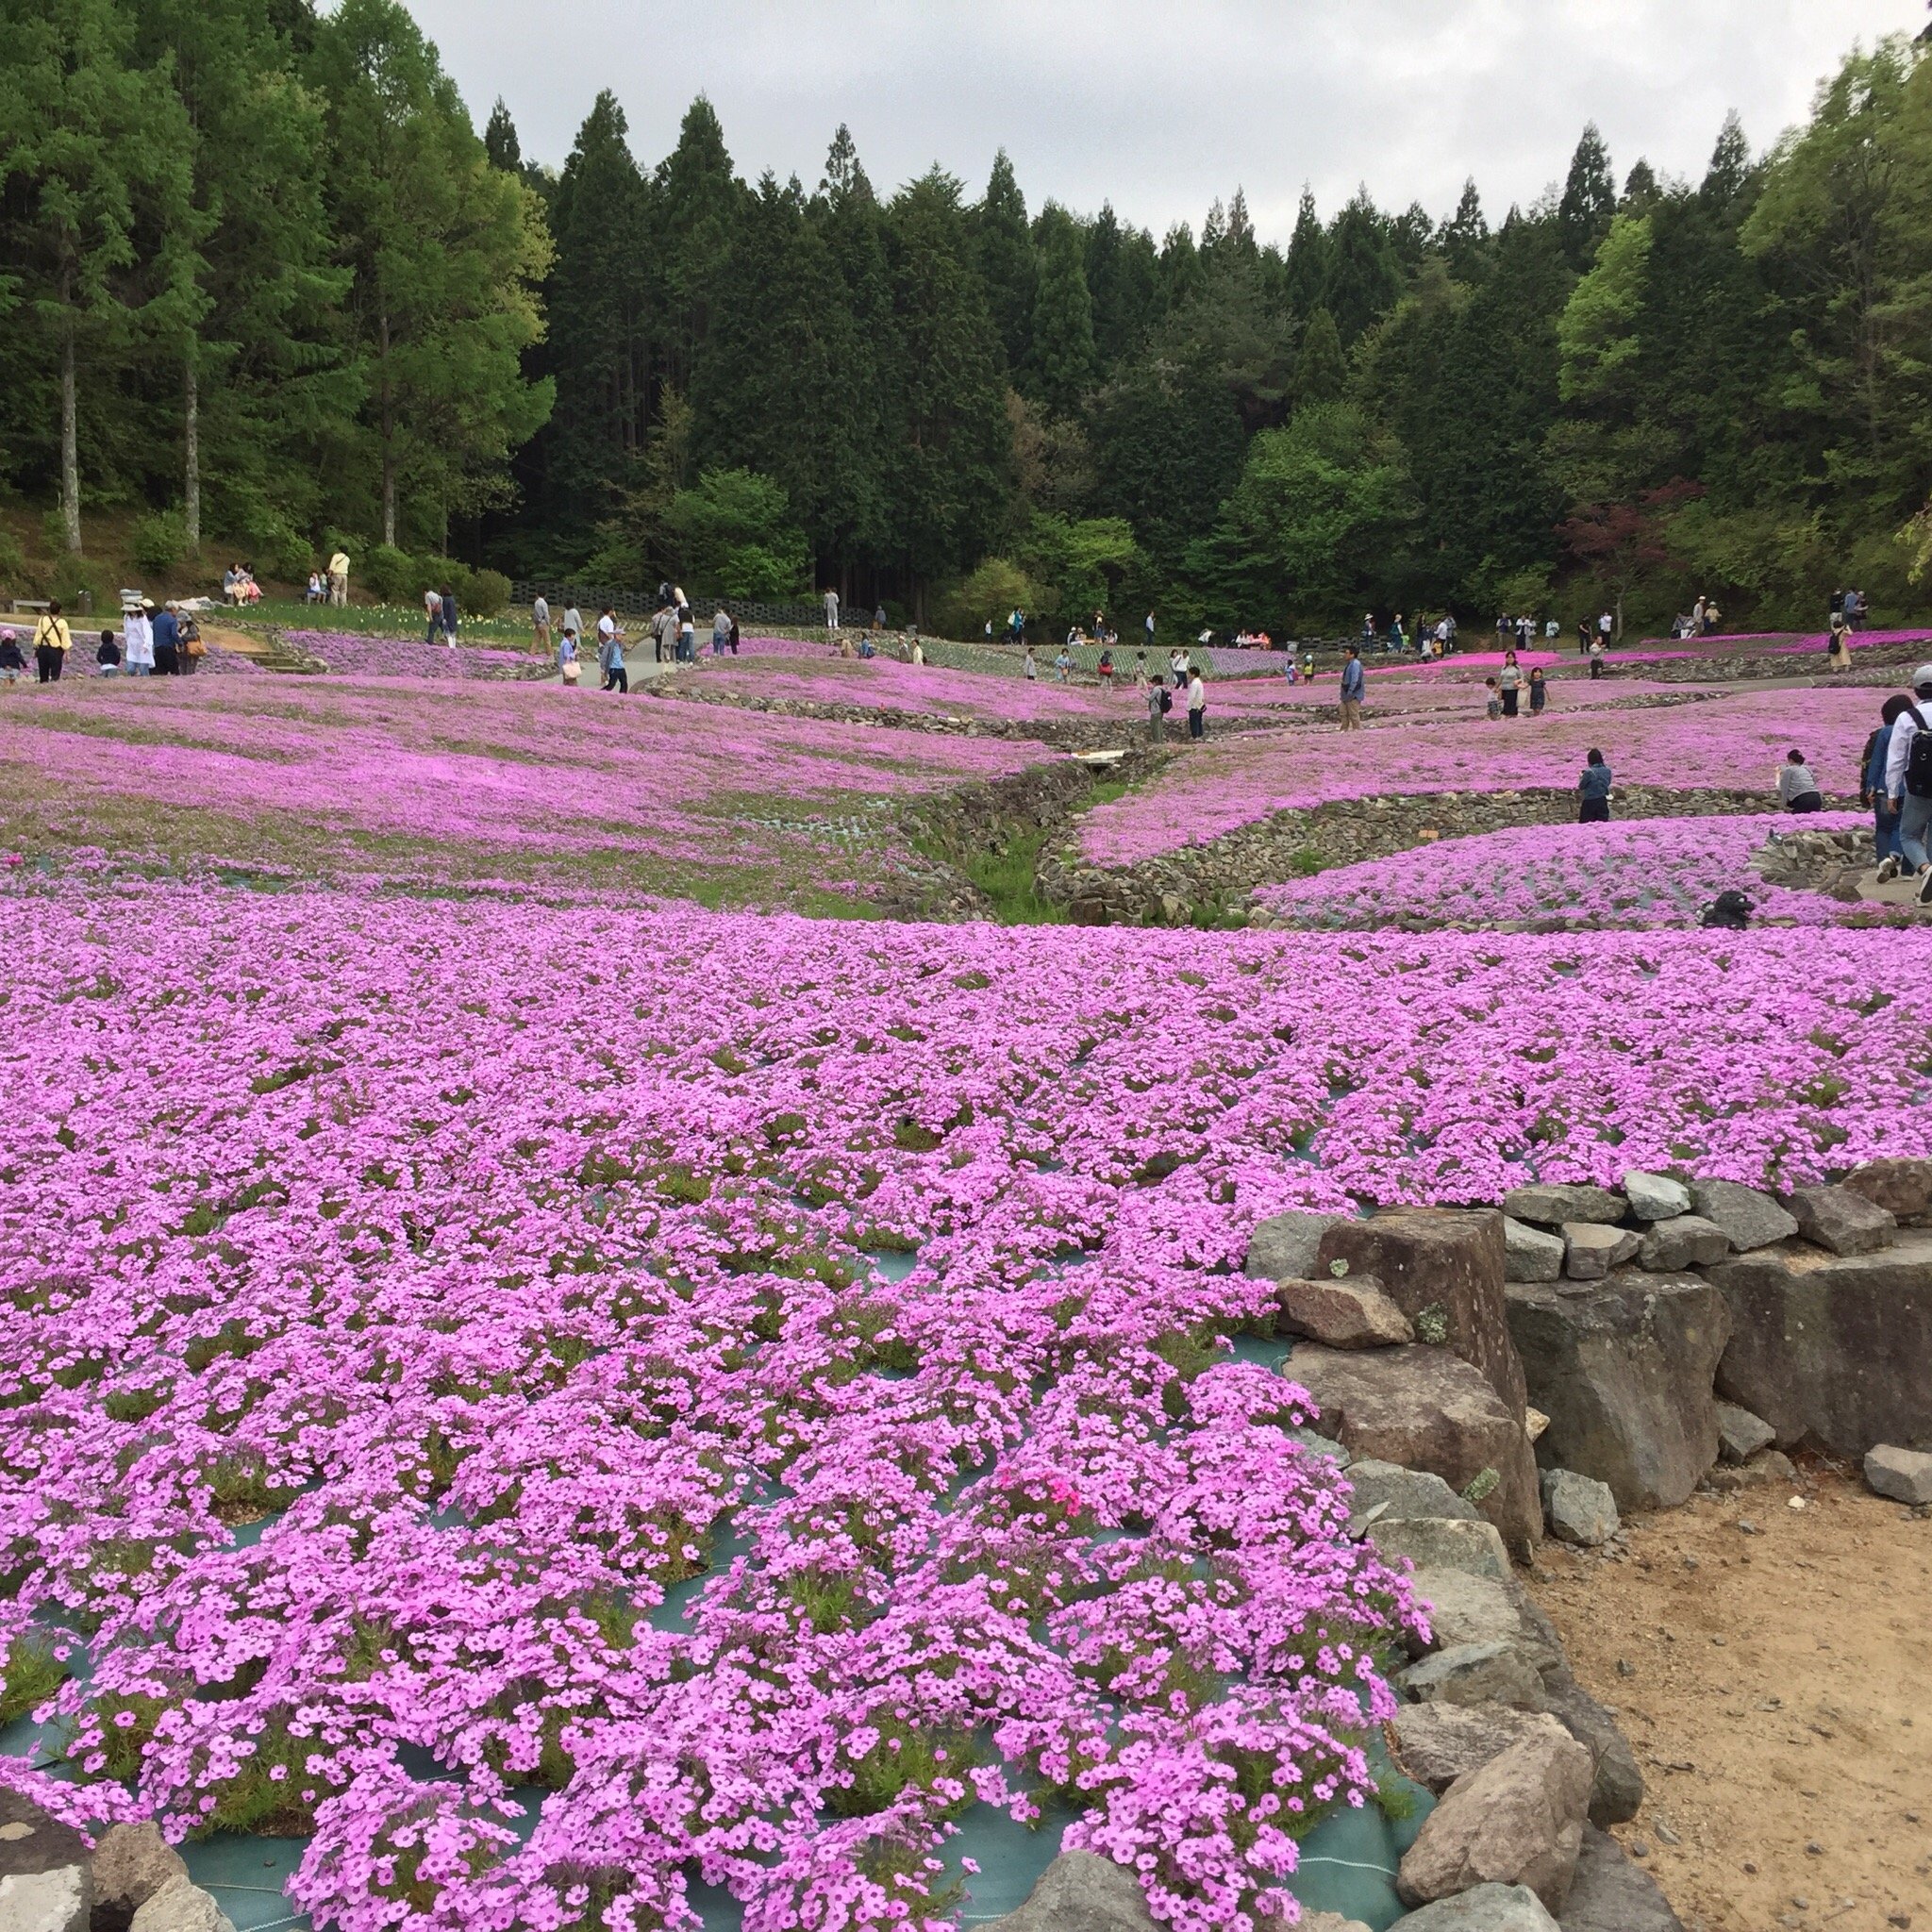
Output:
x=1006 y=260
x=500 y=141
x=733 y=533
x=696 y=205
x=1465 y=238
x=1060 y=363
x=1124 y=278
x=1363 y=280
x=1320 y=370
x=1307 y=259
x=1589 y=198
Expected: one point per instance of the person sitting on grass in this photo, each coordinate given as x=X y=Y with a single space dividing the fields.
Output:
x=1797 y=789
x=1593 y=791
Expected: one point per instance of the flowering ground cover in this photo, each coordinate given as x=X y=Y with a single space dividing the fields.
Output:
x=359 y=654
x=1640 y=873
x=567 y=789
x=1731 y=741
x=885 y=683
x=579 y=1409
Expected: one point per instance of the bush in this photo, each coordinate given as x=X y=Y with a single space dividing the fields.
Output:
x=393 y=574
x=159 y=543
x=14 y=574
x=992 y=589
x=282 y=552
x=488 y=593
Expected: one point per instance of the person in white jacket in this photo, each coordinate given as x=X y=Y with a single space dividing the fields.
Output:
x=1914 y=814
x=137 y=640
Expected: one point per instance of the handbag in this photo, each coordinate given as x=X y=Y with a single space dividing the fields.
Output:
x=572 y=672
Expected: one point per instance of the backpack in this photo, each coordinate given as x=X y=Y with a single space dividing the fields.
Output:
x=1730 y=911
x=1919 y=757
x=1166 y=701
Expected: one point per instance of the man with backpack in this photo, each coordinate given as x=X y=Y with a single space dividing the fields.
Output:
x=1908 y=781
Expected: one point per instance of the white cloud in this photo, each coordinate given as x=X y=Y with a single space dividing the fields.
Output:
x=1161 y=108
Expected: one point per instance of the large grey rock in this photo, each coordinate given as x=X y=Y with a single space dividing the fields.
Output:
x=1517 y=1820
x=1903 y=1186
x=1904 y=1474
x=1443 y=1262
x=1437 y=1744
x=1616 y=1787
x=1463 y=1608
x=1750 y=1218
x=1404 y=1492
x=181 y=1905
x=1428 y=1409
x=1484 y=1909
x=1328 y=1921
x=44 y=1883
x=1843 y=1220
x=1475 y=1674
x=1349 y=1313
x=1686 y=1242
x=1551 y=1206
x=1591 y=1249
x=1741 y=1435
x=1611 y=1893
x=1528 y=1252
x=1654 y=1196
x=1624 y=1372
x=1579 y=1508
x=1285 y=1248
x=1834 y=1350
x=1438 y=1542
x=131 y=1862
x=1081 y=1891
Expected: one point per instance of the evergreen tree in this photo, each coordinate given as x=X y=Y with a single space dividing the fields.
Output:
x=1007 y=261
x=1641 y=188
x=1061 y=365
x=1182 y=276
x=1590 y=199
x=1728 y=178
x=1124 y=278
x=1320 y=371
x=1465 y=238
x=695 y=205
x=1307 y=259
x=1363 y=279
x=500 y=141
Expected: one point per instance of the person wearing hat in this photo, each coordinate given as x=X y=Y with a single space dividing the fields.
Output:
x=1914 y=812
x=167 y=642
x=12 y=664
x=138 y=636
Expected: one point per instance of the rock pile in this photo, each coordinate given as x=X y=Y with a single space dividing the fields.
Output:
x=131 y=1881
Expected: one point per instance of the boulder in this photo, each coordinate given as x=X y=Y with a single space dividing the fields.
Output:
x=1483 y=1908
x=1328 y=1921
x=1616 y=1784
x=1406 y=1491
x=1437 y=1744
x=1904 y=1474
x=1833 y=1349
x=1436 y=1542
x=1427 y=1409
x=181 y=1905
x=131 y=1862
x=1081 y=1891
x=1285 y=1247
x=1740 y=1433
x=1686 y=1242
x=1843 y=1220
x=1750 y=1218
x=1528 y=1252
x=1591 y=1249
x=1321 y=1445
x=1579 y=1508
x=1550 y=1207
x=1437 y=1260
x=1517 y=1820
x=1655 y=1197
x=45 y=1882
x=1465 y=1610
x=1345 y=1314
x=1612 y=1894
x=1475 y=1674
x=1624 y=1371
x=1902 y=1187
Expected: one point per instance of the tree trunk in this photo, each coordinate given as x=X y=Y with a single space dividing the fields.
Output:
x=191 y=418
x=69 y=442
x=389 y=444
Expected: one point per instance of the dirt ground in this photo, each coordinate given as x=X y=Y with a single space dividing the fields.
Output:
x=1777 y=1688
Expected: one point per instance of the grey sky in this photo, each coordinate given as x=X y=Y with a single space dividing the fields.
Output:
x=1161 y=108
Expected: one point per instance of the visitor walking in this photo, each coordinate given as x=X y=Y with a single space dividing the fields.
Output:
x=1062 y=665
x=1797 y=789
x=1583 y=637
x=832 y=610
x=1197 y=705
x=567 y=655
x=1510 y=684
x=1605 y=623
x=1355 y=685
x=1872 y=793
x=1150 y=630
x=574 y=622
x=138 y=642
x=664 y=633
x=687 y=634
x=1593 y=791
x=540 y=623
x=1597 y=658
x=1837 y=649
x=1908 y=779
x=1538 y=691
x=448 y=616
x=610 y=652
x=167 y=640
x=52 y=642
x=1028 y=669
x=339 y=578
x=432 y=615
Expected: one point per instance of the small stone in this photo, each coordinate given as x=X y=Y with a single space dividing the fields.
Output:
x=1436 y=1542
x=1843 y=1220
x=1751 y=1217
x=1654 y=1196
x=1535 y=1423
x=1591 y=1249
x=1638 y=1849
x=1474 y=1673
x=1529 y=1254
x=1740 y=1433
x=1343 y=1315
x=1813 y=1849
x=1750 y=1869
x=1747 y=1527
x=1686 y=1242
x=1551 y=1206
x=1083 y=1890
x=1904 y=1474
x=1437 y=1744
x=131 y=1863
x=1901 y=1187
x=181 y=1905
x=1285 y=1247
x=1579 y=1509
x=53 y=1900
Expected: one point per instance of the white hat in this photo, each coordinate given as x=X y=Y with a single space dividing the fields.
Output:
x=1922 y=677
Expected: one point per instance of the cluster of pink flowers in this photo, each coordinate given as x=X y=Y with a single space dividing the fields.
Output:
x=1634 y=873
x=362 y=654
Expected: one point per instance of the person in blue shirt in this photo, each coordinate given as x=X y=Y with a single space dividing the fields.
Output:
x=1593 y=791
x=1871 y=790
x=167 y=642
x=1355 y=685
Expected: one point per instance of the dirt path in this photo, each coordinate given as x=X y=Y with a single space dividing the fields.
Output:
x=1777 y=1688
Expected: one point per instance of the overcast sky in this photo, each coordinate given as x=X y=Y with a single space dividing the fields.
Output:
x=1159 y=106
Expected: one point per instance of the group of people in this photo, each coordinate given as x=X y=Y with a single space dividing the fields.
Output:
x=164 y=642
x=832 y=607
x=330 y=586
x=1502 y=694
x=1895 y=783
x=240 y=588
x=672 y=630
x=1701 y=621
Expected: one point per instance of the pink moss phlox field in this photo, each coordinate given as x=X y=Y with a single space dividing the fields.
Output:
x=1639 y=872
x=1732 y=741
x=362 y=654
x=884 y=683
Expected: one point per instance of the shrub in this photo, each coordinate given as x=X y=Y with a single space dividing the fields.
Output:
x=159 y=543
x=391 y=573
x=488 y=593
x=282 y=552
x=14 y=574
